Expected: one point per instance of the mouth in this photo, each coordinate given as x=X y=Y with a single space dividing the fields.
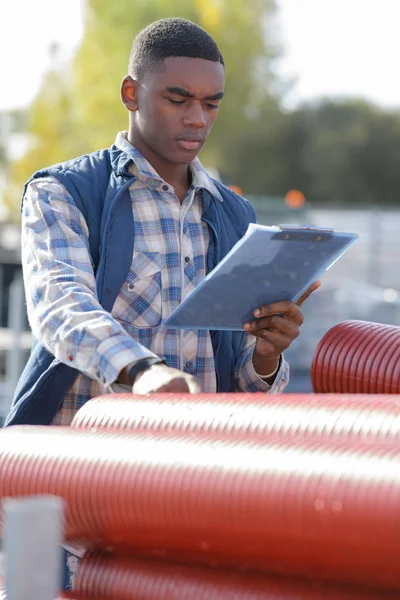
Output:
x=190 y=143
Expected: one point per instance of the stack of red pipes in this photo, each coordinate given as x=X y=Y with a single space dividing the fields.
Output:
x=239 y=496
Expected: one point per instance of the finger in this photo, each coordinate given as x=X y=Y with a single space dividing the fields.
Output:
x=194 y=386
x=176 y=386
x=308 y=293
x=277 y=324
x=276 y=308
x=294 y=314
x=277 y=341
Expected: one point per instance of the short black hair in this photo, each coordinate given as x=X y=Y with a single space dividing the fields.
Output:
x=170 y=37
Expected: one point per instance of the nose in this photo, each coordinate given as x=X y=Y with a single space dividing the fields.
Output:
x=194 y=117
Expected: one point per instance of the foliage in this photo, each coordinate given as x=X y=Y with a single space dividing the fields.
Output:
x=342 y=152
x=78 y=109
x=350 y=152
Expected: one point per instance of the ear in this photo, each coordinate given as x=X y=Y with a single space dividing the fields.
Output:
x=129 y=93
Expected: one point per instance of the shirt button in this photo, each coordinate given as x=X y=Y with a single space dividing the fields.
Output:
x=70 y=357
x=165 y=188
x=187 y=259
x=131 y=286
x=189 y=364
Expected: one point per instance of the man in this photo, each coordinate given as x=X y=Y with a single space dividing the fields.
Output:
x=113 y=241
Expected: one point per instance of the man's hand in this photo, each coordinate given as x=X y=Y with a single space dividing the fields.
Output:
x=160 y=378
x=275 y=327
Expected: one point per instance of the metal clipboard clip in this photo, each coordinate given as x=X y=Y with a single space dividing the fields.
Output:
x=289 y=231
x=305 y=227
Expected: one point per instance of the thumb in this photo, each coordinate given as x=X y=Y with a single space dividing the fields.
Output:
x=194 y=387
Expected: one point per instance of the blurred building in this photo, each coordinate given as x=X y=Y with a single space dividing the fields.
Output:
x=10 y=264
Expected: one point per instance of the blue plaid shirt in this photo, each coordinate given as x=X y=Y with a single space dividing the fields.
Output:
x=169 y=260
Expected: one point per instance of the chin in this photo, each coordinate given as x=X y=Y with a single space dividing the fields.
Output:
x=187 y=156
x=187 y=160
x=182 y=158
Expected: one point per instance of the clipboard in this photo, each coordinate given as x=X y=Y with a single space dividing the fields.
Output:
x=266 y=265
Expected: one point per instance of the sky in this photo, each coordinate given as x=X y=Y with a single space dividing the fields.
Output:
x=332 y=48
x=342 y=48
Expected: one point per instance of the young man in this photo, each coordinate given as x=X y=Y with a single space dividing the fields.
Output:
x=113 y=241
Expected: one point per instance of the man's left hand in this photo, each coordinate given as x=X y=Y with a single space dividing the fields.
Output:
x=275 y=327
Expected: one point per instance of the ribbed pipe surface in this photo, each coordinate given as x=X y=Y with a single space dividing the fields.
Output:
x=302 y=508
x=117 y=578
x=358 y=357
x=244 y=416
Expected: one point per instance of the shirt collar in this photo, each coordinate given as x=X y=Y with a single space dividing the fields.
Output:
x=143 y=170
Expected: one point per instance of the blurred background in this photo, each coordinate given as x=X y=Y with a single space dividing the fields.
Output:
x=309 y=131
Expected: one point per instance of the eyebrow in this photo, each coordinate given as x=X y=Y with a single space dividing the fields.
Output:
x=182 y=92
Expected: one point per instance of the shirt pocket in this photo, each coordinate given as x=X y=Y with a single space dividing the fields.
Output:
x=139 y=301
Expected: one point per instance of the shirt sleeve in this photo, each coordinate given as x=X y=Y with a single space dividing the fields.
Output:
x=63 y=309
x=246 y=378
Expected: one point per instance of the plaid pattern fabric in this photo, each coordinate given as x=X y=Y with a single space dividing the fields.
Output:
x=169 y=261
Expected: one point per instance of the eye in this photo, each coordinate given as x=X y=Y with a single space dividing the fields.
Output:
x=212 y=106
x=176 y=102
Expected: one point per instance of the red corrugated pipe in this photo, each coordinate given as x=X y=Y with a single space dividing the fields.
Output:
x=111 y=577
x=296 y=507
x=247 y=416
x=358 y=357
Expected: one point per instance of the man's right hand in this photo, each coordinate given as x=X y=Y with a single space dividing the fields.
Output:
x=160 y=378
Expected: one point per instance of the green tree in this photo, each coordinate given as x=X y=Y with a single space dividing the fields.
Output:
x=78 y=109
x=337 y=153
x=344 y=152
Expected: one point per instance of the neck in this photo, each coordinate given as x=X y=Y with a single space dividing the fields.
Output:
x=176 y=175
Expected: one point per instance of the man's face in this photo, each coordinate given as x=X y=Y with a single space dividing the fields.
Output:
x=177 y=105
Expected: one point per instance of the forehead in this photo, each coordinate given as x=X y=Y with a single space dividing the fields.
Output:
x=196 y=75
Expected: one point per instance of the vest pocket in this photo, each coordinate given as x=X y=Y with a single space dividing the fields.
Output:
x=139 y=300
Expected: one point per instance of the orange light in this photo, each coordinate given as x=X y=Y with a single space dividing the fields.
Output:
x=236 y=189
x=295 y=199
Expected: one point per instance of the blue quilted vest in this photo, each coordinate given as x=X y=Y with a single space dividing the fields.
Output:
x=99 y=184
